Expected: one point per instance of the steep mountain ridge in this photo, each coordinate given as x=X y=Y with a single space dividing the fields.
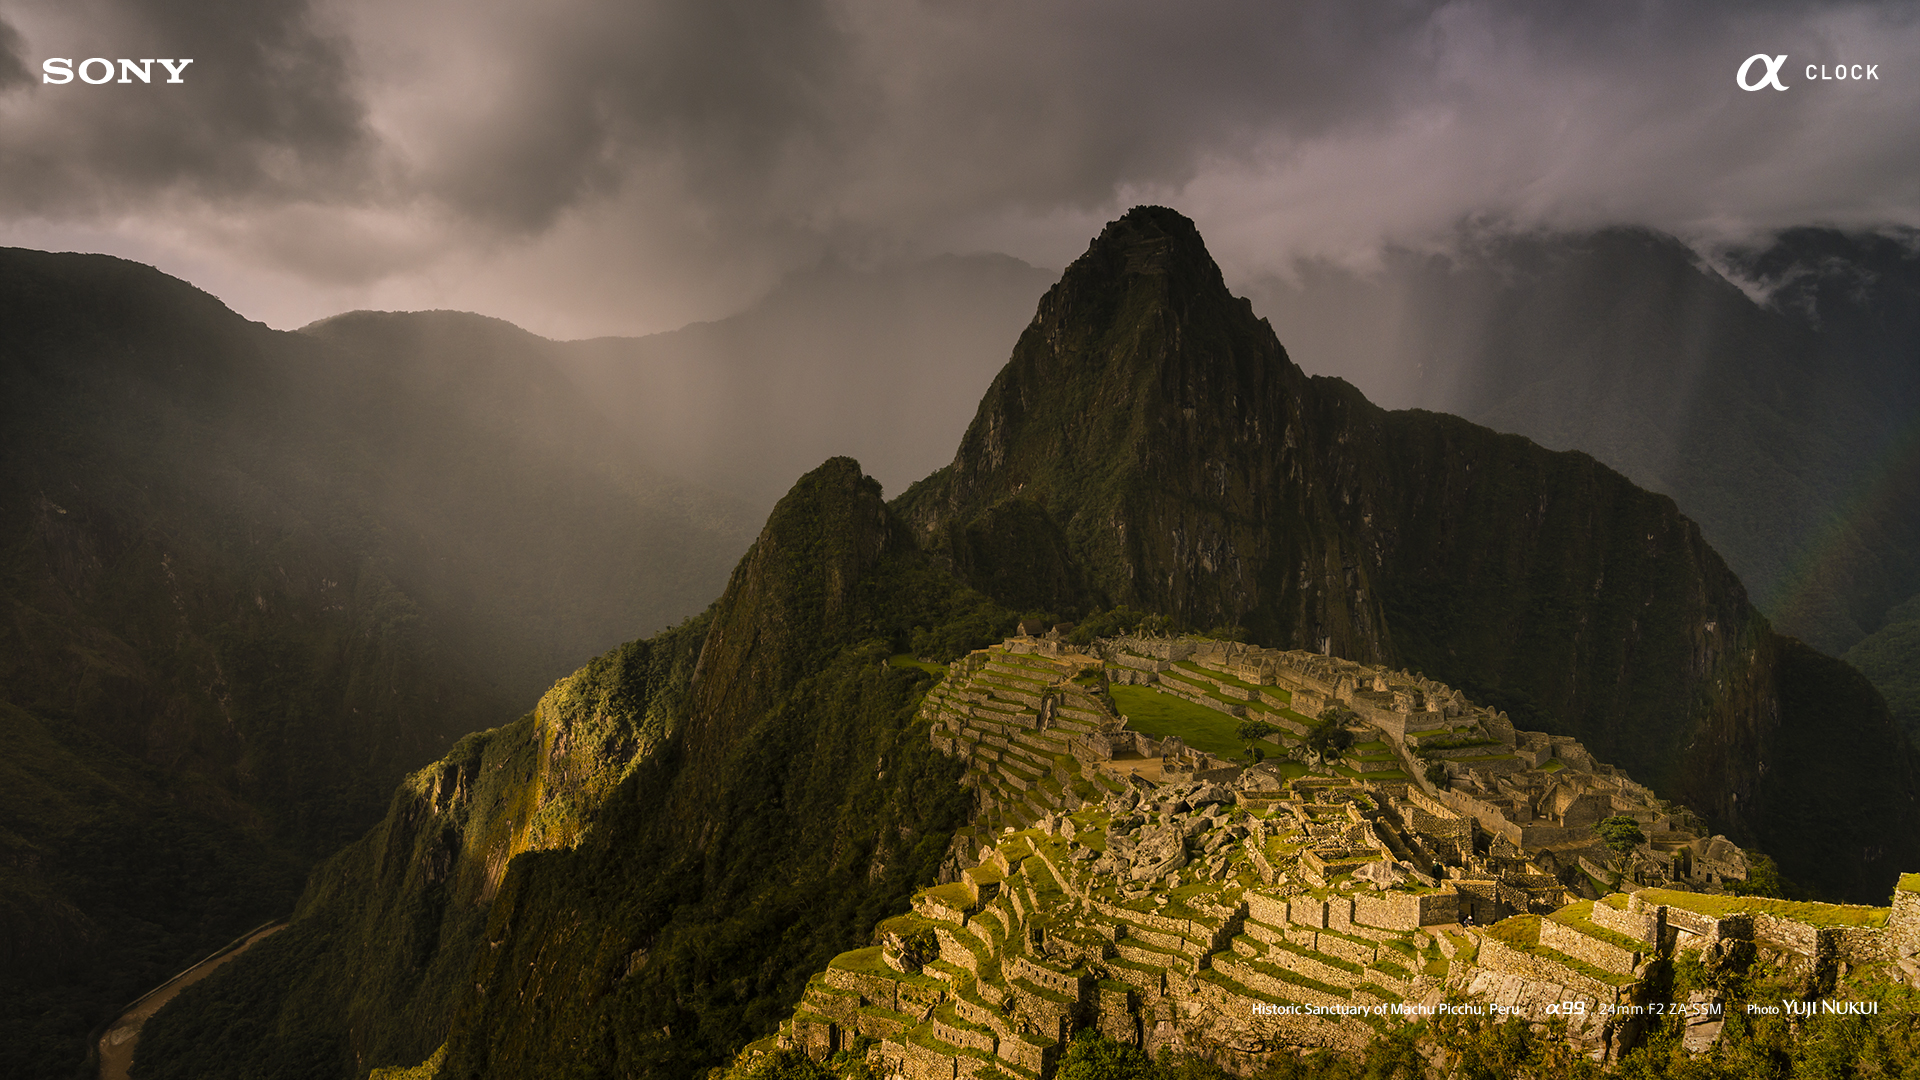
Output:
x=385 y=939
x=1778 y=412
x=782 y=801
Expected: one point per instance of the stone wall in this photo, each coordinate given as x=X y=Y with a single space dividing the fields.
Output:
x=1738 y=926
x=1254 y=979
x=1601 y=954
x=1306 y=911
x=1903 y=927
x=1645 y=925
x=874 y=989
x=1343 y=948
x=1406 y=911
x=1498 y=956
x=1862 y=945
x=1789 y=936
x=1059 y=982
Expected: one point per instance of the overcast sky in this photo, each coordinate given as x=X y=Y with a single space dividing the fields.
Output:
x=584 y=167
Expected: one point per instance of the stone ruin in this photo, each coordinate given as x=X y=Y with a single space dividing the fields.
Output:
x=1173 y=899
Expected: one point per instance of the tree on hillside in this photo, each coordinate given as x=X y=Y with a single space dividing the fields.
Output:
x=1620 y=832
x=1329 y=737
x=1251 y=732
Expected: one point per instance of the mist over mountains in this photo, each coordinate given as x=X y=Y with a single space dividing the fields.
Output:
x=1783 y=424
x=253 y=577
x=881 y=365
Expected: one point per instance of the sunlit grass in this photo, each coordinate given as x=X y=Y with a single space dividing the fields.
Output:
x=1158 y=714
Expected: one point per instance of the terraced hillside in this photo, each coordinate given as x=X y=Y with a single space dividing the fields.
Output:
x=1046 y=728
x=992 y=975
x=1173 y=899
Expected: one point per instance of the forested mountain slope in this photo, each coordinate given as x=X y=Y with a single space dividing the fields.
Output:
x=251 y=578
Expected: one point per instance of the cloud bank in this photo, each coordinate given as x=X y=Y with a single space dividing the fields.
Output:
x=596 y=167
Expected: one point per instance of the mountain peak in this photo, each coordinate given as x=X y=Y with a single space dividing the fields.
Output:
x=1152 y=247
x=1139 y=373
x=1152 y=239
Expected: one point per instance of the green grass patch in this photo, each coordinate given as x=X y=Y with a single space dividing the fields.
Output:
x=907 y=923
x=1579 y=915
x=953 y=894
x=1158 y=714
x=1806 y=911
x=865 y=961
x=906 y=660
x=1910 y=882
x=1522 y=932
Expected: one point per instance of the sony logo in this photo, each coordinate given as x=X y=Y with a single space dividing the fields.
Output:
x=60 y=69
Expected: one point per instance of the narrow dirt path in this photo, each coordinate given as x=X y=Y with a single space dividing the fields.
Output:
x=116 y=1046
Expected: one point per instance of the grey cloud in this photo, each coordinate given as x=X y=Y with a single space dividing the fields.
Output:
x=715 y=91
x=13 y=70
x=859 y=118
x=266 y=109
x=685 y=148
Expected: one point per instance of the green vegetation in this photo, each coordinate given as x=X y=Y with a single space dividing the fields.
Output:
x=1114 y=623
x=1890 y=658
x=252 y=579
x=1778 y=1047
x=1153 y=712
x=1579 y=915
x=906 y=660
x=1329 y=737
x=1522 y=932
x=792 y=804
x=1811 y=913
x=1763 y=879
x=1620 y=833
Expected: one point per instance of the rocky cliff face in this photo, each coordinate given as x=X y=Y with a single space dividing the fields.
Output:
x=385 y=938
x=1188 y=467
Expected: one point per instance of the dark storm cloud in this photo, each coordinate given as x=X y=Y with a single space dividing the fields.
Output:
x=624 y=162
x=13 y=70
x=264 y=110
x=885 y=116
x=835 y=109
x=570 y=102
